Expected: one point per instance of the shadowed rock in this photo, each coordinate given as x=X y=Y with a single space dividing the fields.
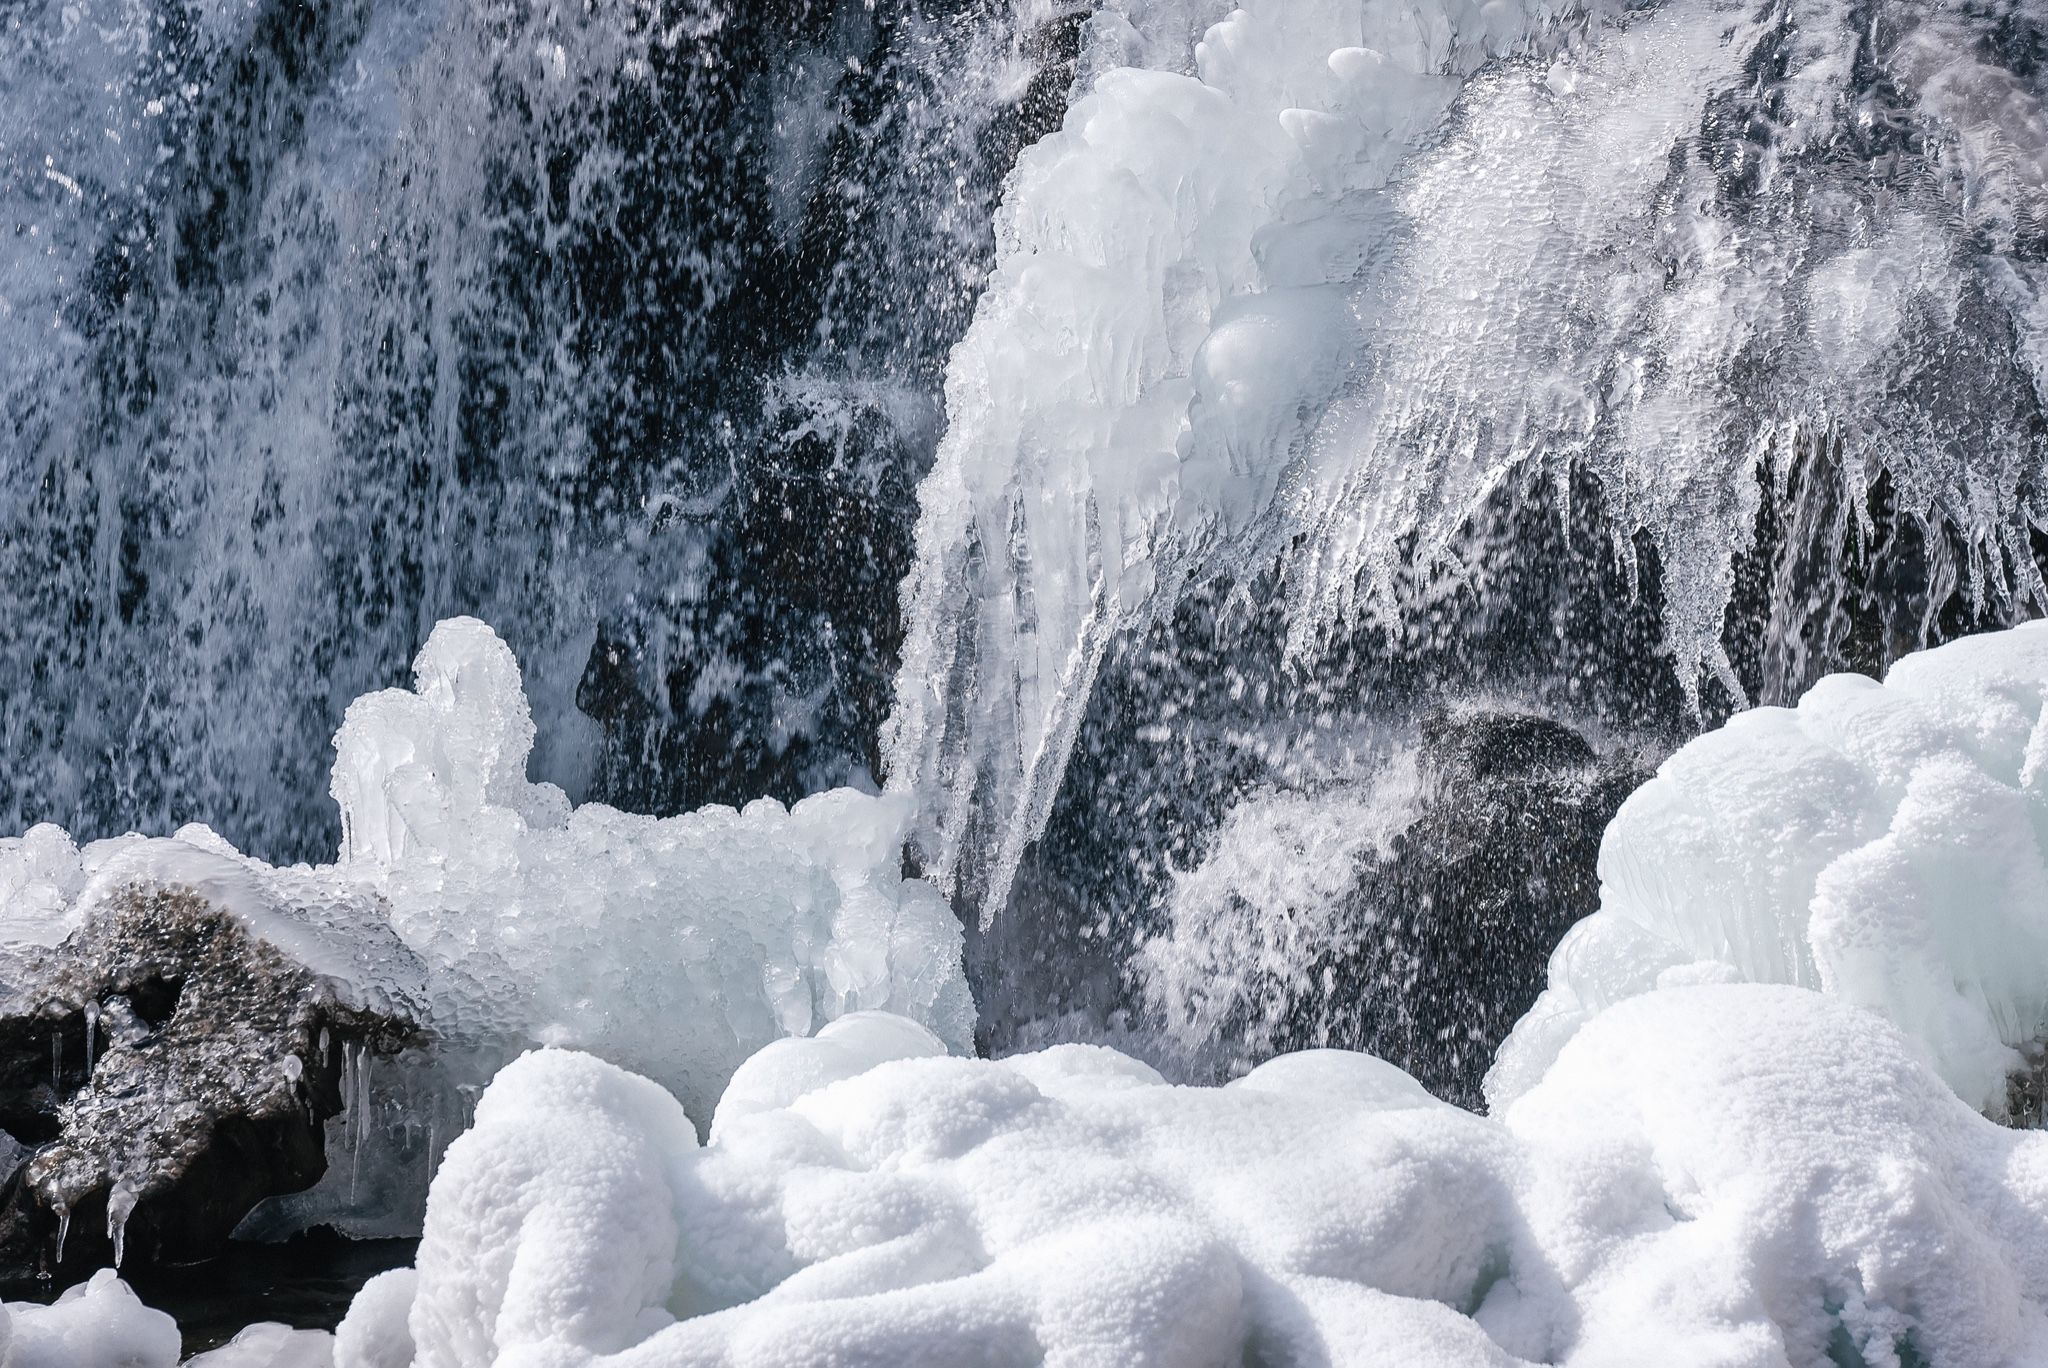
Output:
x=175 y=1059
x=1452 y=932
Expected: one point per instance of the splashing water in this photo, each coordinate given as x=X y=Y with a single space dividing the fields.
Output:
x=604 y=321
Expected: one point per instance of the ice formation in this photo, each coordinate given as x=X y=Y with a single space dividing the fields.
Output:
x=500 y=917
x=1310 y=305
x=674 y=946
x=1713 y=1175
x=1886 y=843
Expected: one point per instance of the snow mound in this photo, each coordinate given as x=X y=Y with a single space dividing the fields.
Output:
x=1718 y=1175
x=1887 y=844
x=97 y=1322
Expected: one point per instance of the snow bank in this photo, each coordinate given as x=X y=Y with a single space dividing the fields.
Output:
x=1887 y=844
x=1718 y=1175
x=102 y=1324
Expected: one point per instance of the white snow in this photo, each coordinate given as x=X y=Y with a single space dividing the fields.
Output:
x=1720 y=1175
x=1887 y=844
x=99 y=1322
x=1681 y=1168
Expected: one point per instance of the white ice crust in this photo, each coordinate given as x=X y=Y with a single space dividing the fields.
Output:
x=1887 y=844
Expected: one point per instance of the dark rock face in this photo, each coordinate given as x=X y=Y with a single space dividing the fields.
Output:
x=167 y=1067
x=1410 y=914
x=1453 y=931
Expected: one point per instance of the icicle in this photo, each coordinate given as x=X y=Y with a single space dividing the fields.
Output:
x=120 y=1205
x=361 y=1107
x=348 y=1095
x=63 y=1229
x=92 y=1026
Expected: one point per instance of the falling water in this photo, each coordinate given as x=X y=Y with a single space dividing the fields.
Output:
x=617 y=324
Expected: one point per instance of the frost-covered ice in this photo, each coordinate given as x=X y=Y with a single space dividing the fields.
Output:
x=675 y=946
x=1167 y=313
x=1886 y=843
x=1716 y=1175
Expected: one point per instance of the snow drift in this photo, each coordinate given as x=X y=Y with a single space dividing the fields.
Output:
x=1739 y=1174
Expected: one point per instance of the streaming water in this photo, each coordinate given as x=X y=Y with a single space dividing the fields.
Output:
x=617 y=324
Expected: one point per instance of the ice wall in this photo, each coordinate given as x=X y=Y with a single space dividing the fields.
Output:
x=1307 y=309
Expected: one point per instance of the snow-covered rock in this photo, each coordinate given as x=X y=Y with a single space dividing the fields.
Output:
x=485 y=910
x=1886 y=843
x=173 y=1060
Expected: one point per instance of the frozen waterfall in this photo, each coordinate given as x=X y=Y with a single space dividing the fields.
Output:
x=1303 y=311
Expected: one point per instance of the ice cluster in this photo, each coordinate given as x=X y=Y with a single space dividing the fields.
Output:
x=673 y=946
x=1167 y=315
x=500 y=916
x=1884 y=843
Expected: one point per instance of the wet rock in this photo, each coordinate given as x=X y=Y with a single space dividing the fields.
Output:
x=1447 y=936
x=175 y=1059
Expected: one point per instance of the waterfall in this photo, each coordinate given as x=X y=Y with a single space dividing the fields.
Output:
x=619 y=324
